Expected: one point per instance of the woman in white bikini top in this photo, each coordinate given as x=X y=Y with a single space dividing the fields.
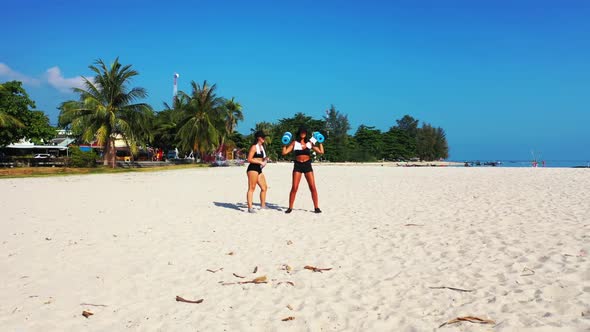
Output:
x=302 y=148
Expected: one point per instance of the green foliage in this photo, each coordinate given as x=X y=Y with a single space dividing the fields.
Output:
x=369 y=143
x=107 y=109
x=199 y=129
x=17 y=120
x=425 y=141
x=201 y=122
x=38 y=128
x=397 y=145
x=337 y=127
x=441 y=147
x=79 y=158
x=401 y=142
x=164 y=129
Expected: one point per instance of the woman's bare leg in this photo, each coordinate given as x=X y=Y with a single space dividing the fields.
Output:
x=263 y=187
x=314 y=192
x=252 y=180
x=294 y=187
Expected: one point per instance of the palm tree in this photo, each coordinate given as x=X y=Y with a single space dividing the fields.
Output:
x=107 y=109
x=166 y=122
x=199 y=128
x=230 y=115
x=7 y=120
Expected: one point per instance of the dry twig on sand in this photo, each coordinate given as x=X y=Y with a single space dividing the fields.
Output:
x=470 y=319
x=255 y=269
x=259 y=280
x=180 y=299
x=413 y=225
x=453 y=288
x=288 y=318
x=94 y=305
x=214 y=271
x=286 y=282
x=316 y=269
x=238 y=276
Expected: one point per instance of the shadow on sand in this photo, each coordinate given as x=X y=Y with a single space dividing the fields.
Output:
x=243 y=206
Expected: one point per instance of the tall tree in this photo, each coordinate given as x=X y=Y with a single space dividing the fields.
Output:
x=441 y=147
x=369 y=143
x=199 y=129
x=409 y=127
x=337 y=127
x=425 y=141
x=107 y=109
x=231 y=114
x=166 y=123
x=18 y=120
x=397 y=145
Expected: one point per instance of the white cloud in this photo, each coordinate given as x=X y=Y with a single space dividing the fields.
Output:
x=53 y=77
x=9 y=74
x=57 y=80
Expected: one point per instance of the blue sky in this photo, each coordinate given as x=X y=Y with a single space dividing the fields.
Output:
x=501 y=77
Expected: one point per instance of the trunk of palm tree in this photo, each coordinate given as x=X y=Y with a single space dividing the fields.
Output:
x=113 y=153
x=109 y=157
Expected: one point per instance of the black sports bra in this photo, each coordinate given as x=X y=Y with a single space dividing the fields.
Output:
x=302 y=150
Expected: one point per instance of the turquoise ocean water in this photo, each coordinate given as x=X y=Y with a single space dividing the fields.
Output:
x=529 y=163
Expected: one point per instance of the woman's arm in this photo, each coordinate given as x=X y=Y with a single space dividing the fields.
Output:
x=319 y=149
x=288 y=148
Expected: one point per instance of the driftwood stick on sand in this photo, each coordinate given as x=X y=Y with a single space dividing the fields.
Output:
x=180 y=299
x=316 y=269
x=453 y=288
x=214 y=271
x=94 y=305
x=470 y=319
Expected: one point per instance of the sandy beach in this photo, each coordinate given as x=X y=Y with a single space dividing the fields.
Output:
x=408 y=249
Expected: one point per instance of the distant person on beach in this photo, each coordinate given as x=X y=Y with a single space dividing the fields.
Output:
x=303 y=147
x=257 y=159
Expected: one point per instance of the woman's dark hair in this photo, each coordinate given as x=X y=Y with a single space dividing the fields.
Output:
x=258 y=134
x=302 y=129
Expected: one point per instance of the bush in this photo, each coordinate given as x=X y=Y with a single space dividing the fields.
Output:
x=79 y=158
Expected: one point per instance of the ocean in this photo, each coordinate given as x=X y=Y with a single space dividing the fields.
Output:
x=528 y=163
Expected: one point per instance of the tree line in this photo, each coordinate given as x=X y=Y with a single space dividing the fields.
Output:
x=404 y=141
x=109 y=109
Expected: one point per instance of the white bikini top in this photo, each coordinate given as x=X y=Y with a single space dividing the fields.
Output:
x=260 y=150
x=298 y=146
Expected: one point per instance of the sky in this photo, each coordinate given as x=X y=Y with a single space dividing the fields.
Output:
x=502 y=78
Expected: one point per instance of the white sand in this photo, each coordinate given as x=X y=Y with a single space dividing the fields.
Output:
x=519 y=238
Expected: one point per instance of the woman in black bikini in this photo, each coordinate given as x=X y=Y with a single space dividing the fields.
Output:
x=302 y=147
x=257 y=159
